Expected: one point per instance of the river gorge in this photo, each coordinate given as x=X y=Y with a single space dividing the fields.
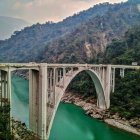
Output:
x=70 y=123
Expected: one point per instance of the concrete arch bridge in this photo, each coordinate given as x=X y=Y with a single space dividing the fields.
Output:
x=47 y=84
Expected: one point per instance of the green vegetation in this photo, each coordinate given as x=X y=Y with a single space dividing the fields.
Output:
x=125 y=51
x=18 y=128
x=126 y=98
x=83 y=84
x=5 y=133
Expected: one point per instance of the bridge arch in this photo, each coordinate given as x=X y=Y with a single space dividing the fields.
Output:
x=98 y=86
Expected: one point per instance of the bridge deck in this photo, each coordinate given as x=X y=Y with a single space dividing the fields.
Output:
x=36 y=65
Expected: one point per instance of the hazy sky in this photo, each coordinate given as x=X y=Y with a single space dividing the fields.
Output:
x=45 y=10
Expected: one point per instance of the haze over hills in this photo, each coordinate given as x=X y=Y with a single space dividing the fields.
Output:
x=8 y=25
x=80 y=38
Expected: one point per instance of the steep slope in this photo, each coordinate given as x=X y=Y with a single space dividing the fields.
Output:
x=8 y=25
x=80 y=38
x=87 y=43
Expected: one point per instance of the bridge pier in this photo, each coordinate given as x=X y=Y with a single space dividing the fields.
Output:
x=108 y=82
x=5 y=87
x=113 y=80
x=107 y=85
x=33 y=100
x=122 y=72
x=38 y=102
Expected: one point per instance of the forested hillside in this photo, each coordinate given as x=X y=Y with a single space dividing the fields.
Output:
x=77 y=39
x=126 y=99
x=126 y=50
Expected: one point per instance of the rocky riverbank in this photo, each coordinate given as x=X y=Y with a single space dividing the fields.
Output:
x=21 y=132
x=89 y=105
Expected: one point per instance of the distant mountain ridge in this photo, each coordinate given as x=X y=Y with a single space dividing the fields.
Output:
x=80 y=38
x=8 y=25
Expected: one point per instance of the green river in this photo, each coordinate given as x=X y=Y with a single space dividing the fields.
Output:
x=70 y=122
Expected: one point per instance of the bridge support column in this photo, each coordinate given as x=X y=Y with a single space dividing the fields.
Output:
x=33 y=100
x=43 y=99
x=38 y=101
x=9 y=85
x=122 y=73
x=2 y=88
x=113 y=80
x=5 y=87
x=9 y=95
x=107 y=85
x=54 y=83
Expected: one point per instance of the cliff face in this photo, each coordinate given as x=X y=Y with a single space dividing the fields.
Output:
x=77 y=39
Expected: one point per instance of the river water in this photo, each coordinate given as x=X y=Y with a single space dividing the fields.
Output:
x=70 y=122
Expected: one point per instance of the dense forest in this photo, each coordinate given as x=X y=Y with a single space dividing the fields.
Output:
x=126 y=99
x=126 y=50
